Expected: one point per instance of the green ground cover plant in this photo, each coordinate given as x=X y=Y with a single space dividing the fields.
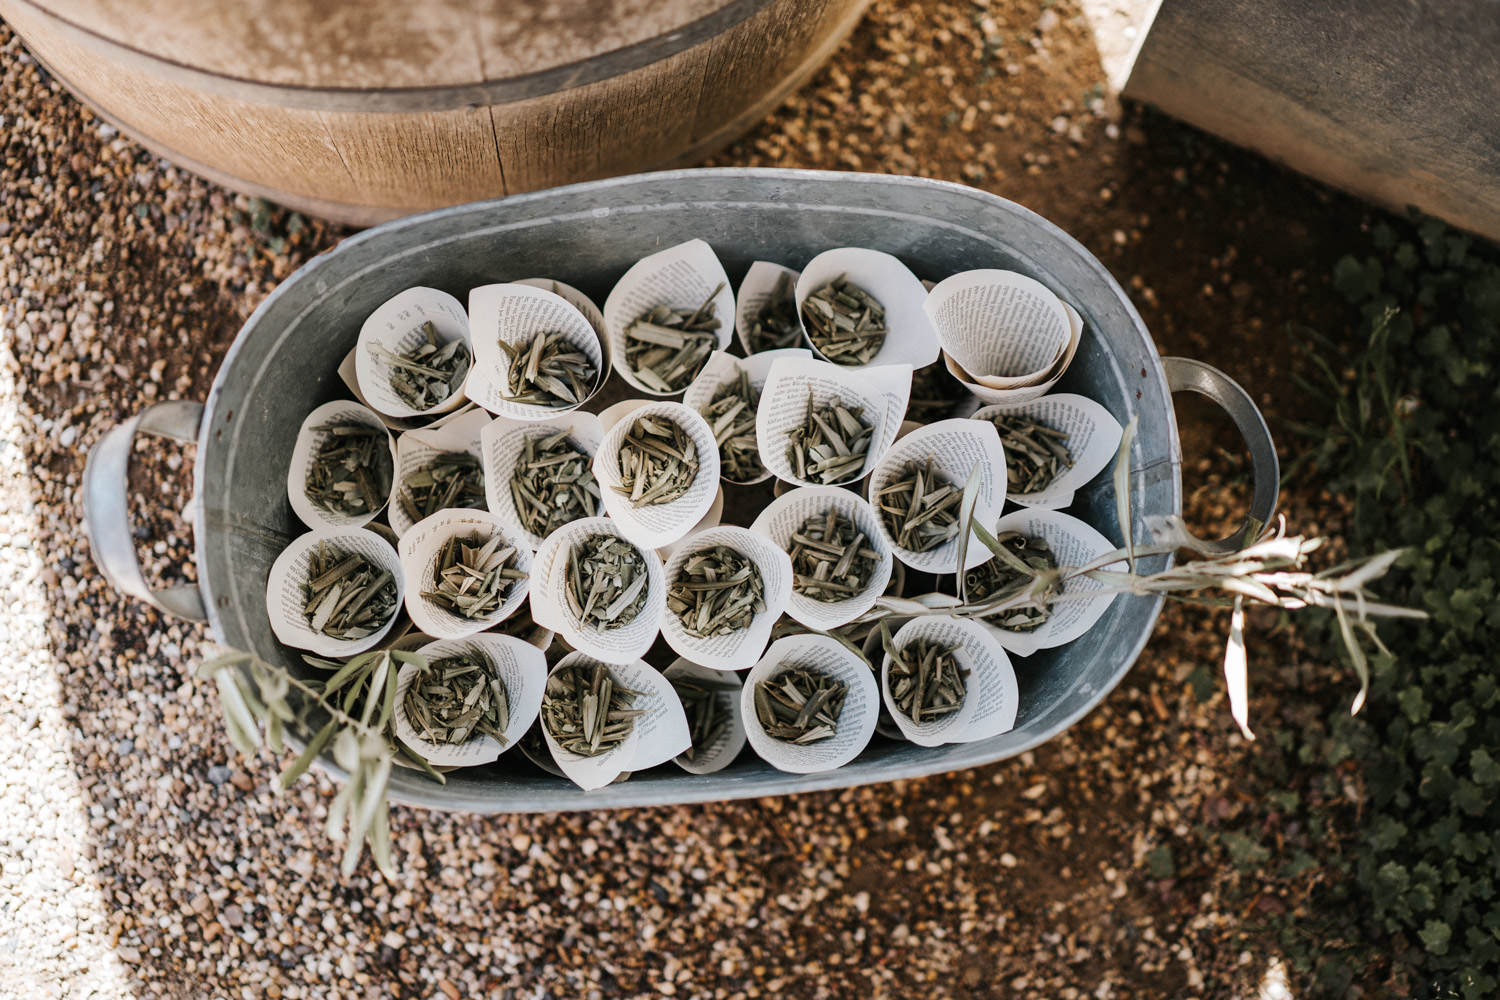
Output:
x=1414 y=443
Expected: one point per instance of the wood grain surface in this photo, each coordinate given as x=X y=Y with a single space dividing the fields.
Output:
x=362 y=166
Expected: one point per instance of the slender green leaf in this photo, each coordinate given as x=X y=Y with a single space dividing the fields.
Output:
x=1122 y=490
x=315 y=746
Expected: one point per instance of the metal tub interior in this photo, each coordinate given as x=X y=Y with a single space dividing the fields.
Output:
x=285 y=359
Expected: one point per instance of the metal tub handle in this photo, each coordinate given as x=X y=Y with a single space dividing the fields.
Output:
x=1187 y=375
x=106 y=505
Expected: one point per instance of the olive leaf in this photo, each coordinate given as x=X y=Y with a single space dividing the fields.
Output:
x=256 y=696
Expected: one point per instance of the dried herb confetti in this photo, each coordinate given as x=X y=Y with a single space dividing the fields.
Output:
x=731 y=415
x=473 y=575
x=553 y=484
x=667 y=348
x=547 y=371
x=706 y=704
x=1009 y=574
x=832 y=560
x=606 y=583
x=658 y=462
x=925 y=680
x=452 y=479
x=920 y=508
x=774 y=325
x=718 y=592
x=844 y=322
x=800 y=706
x=453 y=698
x=350 y=472
x=585 y=711
x=346 y=596
x=831 y=444
x=429 y=373
x=1035 y=454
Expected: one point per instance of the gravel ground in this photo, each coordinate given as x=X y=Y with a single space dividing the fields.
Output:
x=140 y=856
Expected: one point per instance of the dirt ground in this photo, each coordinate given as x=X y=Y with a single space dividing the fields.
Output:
x=141 y=856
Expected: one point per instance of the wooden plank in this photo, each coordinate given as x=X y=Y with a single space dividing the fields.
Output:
x=1393 y=102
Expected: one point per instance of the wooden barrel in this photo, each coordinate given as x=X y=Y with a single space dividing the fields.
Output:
x=363 y=110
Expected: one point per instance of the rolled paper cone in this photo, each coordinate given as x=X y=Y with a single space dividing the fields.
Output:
x=583 y=304
x=502 y=443
x=1083 y=600
x=721 y=372
x=309 y=440
x=784 y=516
x=954 y=449
x=657 y=736
x=396 y=327
x=1093 y=437
x=1011 y=392
x=880 y=393
x=625 y=644
x=910 y=338
x=992 y=696
x=522 y=670
x=516 y=314
x=723 y=750
x=658 y=525
x=998 y=323
x=422 y=547
x=679 y=277
x=285 y=596
x=418 y=449
x=740 y=649
x=758 y=286
x=856 y=721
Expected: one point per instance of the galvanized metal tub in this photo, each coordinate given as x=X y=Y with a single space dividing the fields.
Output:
x=284 y=363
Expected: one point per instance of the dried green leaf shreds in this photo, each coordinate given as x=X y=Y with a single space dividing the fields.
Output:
x=585 y=711
x=473 y=575
x=667 y=348
x=452 y=479
x=831 y=444
x=800 y=706
x=1013 y=570
x=346 y=596
x=925 y=680
x=774 y=325
x=350 y=473
x=606 y=584
x=844 y=322
x=832 y=560
x=429 y=373
x=1035 y=454
x=547 y=371
x=718 y=592
x=920 y=508
x=553 y=484
x=731 y=414
x=451 y=699
x=658 y=462
x=704 y=704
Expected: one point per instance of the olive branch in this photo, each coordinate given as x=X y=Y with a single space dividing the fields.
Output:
x=255 y=695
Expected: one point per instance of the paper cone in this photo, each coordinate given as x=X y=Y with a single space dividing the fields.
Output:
x=285 y=596
x=856 y=723
x=309 y=440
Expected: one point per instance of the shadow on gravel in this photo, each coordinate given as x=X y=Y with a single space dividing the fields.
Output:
x=1024 y=878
